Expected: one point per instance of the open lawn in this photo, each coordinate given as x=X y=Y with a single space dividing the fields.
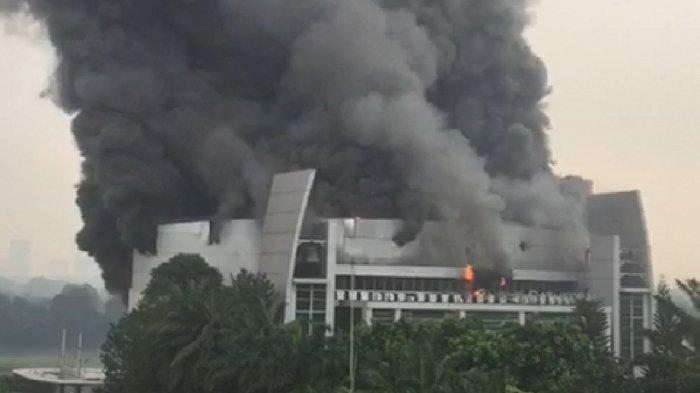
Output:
x=24 y=357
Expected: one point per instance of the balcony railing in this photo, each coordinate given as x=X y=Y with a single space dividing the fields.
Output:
x=566 y=299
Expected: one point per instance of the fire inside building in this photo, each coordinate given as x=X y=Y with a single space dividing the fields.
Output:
x=327 y=267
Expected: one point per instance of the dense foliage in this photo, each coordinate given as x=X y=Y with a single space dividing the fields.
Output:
x=673 y=364
x=38 y=322
x=192 y=333
x=461 y=356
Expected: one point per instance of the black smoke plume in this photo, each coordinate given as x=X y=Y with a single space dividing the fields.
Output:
x=408 y=108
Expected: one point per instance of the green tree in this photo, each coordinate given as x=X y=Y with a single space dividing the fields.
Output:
x=423 y=357
x=590 y=317
x=143 y=351
x=77 y=309
x=74 y=305
x=691 y=319
x=191 y=333
x=463 y=356
x=606 y=373
x=182 y=272
x=546 y=357
x=25 y=322
x=673 y=364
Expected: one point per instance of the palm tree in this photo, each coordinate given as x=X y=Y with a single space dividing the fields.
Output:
x=673 y=362
x=589 y=315
x=691 y=319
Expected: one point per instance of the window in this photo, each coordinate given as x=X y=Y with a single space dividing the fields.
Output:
x=493 y=320
x=310 y=260
x=546 y=317
x=419 y=315
x=388 y=283
x=311 y=307
x=631 y=325
x=383 y=316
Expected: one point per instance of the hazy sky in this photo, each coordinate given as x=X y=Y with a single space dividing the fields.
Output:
x=625 y=78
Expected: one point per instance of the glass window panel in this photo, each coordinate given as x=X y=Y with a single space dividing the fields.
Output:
x=303 y=290
x=319 y=304
x=637 y=301
x=382 y=316
x=319 y=318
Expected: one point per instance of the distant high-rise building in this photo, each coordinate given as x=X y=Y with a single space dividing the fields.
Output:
x=18 y=260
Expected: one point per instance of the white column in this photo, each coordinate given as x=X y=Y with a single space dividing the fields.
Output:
x=521 y=317
x=615 y=313
x=609 y=330
x=331 y=263
x=462 y=314
x=367 y=315
x=291 y=303
x=397 y=315
x=646 y=309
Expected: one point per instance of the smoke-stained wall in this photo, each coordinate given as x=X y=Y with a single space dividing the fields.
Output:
x=408 y=108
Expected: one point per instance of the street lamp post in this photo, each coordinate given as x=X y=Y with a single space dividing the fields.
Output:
x=352 y=329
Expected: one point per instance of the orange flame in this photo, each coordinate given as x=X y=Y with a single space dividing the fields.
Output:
x=468 y=274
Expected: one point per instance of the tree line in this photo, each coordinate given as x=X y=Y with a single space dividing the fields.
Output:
x=193 y=333
x=37 y=323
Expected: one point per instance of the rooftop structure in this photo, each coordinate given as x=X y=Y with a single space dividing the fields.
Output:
x=64 y=379
x=90 y=379
x=621 y=214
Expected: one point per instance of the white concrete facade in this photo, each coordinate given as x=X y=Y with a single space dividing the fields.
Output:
x=621 y=214
x=603 y=279
x=286 y=207
x=239 y=248
x=355 y=261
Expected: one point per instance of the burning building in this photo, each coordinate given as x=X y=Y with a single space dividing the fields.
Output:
x=423 y=117
x=323 y=266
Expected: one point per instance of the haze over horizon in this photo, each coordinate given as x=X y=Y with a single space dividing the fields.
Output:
x=623 y=88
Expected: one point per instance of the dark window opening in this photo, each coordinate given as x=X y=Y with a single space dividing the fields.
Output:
x=310 y=260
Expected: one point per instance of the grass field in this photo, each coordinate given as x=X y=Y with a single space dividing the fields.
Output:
x=22 y=357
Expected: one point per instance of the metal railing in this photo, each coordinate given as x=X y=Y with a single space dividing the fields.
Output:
x=567 y=299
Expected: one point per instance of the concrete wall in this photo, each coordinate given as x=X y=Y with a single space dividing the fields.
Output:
x=286 y=208
x=603 y=281
x=622 y=214
x=331 y=271
x=369 y=241
x=239 y=248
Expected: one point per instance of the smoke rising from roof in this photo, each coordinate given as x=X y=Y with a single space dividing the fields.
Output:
x=408 y=108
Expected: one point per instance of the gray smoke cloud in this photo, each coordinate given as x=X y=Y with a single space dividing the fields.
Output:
x=419 y=109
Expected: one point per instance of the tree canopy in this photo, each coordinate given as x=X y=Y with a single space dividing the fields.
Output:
x=37 y=322
x=673 y=364
x=192 y=332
